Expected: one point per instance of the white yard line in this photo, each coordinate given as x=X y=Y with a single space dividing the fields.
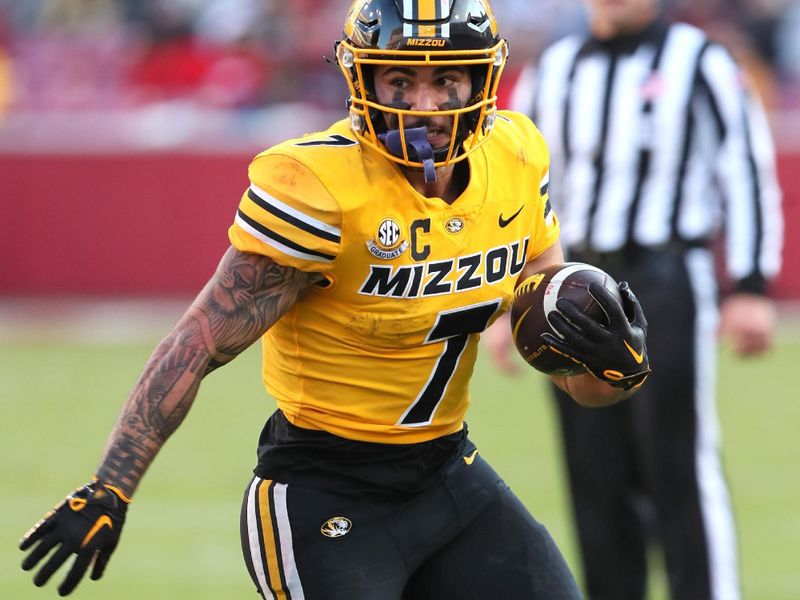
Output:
x=117 y=321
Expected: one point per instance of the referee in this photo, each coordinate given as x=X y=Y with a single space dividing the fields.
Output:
x=656 y=144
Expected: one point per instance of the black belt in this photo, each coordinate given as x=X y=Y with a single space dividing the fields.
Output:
x=631 y=254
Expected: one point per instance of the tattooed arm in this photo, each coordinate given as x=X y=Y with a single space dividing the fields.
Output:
x=245 y=297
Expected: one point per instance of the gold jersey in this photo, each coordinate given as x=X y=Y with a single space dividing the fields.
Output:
x=385 y=352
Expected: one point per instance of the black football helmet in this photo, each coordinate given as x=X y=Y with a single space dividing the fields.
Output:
x=421 y=33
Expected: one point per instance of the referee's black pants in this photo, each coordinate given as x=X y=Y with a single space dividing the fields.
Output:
x=648 y=469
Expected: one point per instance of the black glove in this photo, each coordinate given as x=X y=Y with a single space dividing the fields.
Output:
x=615 y=353
x=87 y=523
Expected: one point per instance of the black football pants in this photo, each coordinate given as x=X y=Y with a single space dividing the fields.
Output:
x=466 y=537
x=649 y=469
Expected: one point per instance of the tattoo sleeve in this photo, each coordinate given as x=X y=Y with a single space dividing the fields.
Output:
x=245 y=297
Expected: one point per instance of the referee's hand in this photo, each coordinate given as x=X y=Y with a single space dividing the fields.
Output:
x=748 y=321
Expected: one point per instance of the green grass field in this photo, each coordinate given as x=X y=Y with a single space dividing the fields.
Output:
x=59 y=401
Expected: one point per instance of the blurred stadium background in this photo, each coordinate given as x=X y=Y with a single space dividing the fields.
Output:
x=126 y=127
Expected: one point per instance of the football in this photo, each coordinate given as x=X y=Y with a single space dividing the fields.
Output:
x=535 y=298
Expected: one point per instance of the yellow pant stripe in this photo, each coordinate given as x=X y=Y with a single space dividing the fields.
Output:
x=270 y=537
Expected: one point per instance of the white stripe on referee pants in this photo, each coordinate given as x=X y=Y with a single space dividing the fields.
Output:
x=714 y=497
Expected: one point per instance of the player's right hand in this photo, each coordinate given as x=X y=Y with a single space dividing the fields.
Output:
x=87 y=523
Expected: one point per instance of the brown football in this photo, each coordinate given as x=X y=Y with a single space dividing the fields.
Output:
x=535 y=298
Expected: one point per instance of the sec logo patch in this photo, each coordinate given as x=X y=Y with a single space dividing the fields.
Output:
x=387 y=244
x=388 y=234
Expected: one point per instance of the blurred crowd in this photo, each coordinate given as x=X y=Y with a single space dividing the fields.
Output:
x=109 y=54
x=98 y=55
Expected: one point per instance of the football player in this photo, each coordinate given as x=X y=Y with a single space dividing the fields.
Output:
x=368 y=258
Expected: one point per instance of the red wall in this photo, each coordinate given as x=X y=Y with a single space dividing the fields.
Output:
x=145 y=224
x=788 y=284
x=125 y=225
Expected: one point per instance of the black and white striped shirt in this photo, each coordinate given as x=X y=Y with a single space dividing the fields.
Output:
x=655 y=138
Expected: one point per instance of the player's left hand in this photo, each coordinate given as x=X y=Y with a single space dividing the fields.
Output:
x=87 y=523
x=615 y=353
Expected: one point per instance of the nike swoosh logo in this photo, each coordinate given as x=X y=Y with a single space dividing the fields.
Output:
x=471 y=458
x=102 y=521
x=504 y=222
x=639 y=358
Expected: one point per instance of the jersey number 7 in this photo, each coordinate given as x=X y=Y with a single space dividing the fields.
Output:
x=454 y=328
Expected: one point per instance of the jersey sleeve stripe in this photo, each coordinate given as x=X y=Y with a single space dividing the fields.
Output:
x=293 y=216
x=277 y=241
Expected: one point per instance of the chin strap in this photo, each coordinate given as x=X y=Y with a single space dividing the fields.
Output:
x=419 y=148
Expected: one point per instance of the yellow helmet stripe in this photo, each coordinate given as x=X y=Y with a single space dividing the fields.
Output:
x=427 y=10
x=352 y=15
x=492 y=20
x=416 y=12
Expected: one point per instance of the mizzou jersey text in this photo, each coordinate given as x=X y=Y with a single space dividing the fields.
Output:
x=385 y=351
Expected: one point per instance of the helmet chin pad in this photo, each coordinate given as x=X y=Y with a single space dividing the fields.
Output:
x=418 y=146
